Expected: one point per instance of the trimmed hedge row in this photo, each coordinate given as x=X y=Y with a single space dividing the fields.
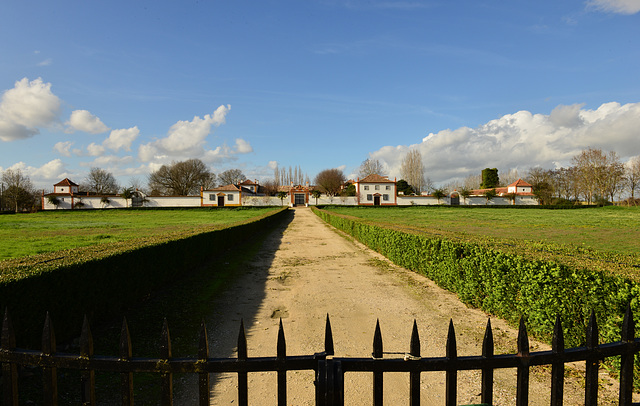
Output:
x=507 y=285
x=103 y=284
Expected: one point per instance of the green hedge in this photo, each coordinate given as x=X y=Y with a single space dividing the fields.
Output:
x=506 y=285
x=101 y=281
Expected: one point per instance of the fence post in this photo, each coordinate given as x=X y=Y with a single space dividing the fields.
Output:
x=166 y=377
x=593 y=363
x=88 y=378
x=203 y=377
x=9 y=370
x=281 y=355
x=243 y=396
x=557 y=367
x=626 y=360
x=522 y=380
x=49 y=374
x=126 y=378
x=377 y=372
x=414 y=376
x=451 y=380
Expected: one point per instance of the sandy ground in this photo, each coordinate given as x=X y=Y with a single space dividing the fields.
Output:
x=306 y=270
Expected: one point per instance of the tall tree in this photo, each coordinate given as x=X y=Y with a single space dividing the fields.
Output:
x=18 y=189
x=598 y=173
x=370 y=167
x=542 y=182
x=181 y=178
x=490 y=178
x=413 y=171
x=100 y=182
x=231 y=177
x=330 y=181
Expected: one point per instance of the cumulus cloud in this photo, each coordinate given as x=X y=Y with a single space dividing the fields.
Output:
x=95 y=150
x=188 y=139
x=82 y=120
x=121 y=139
x=53 y=170
x=63 y=148
x=522 y=140
x=25 y=108
x=616 y=6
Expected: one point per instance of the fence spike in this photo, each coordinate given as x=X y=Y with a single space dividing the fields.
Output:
x=242 y=342
x=125 y=341
x=377 y=341
x=487 y=341
x=165 y=344
x=592 y=332
x=486 y=390
x=48 y=337
x=452 y=351
x=203 y=346
x=281 y=351
x=523 y=339
x=328 y=338
x=8 y=333
x=414 y=346
x=557 y=342
x=628 y=326
x=86 y=339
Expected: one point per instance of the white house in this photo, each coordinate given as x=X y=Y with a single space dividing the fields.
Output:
x=223 y=196
x=376 y=190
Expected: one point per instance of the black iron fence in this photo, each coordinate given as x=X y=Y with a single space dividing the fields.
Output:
x=329 y=370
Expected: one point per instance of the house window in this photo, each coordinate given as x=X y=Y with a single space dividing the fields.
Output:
x=385 y=197
x=369 y=197
x=230 y=197
x=377 y=187
x=366 y=187
x=388 y=187
x=212 y=197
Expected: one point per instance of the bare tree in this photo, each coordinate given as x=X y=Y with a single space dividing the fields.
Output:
x=412 y=170
x=542 y=182
x=370 y=167
x=330 y=181
x=633 y=175
x=472 y=182
x=100 y=182
x=598 y=174
x=18 y=189
x=231 y=177
x=181 y=178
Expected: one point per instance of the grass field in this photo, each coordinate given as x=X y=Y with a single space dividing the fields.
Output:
x=27 y=234
x=603 y=238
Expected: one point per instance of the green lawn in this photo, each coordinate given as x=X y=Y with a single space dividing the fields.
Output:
x=606 y=229
x=36 y=233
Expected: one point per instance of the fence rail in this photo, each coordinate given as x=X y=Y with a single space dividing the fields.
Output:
x=329 y=370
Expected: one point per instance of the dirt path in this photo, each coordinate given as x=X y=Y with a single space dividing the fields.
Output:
x=306 y=270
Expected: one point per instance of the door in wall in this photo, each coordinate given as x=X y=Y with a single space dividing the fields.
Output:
x=298 y=199
x=220 y=201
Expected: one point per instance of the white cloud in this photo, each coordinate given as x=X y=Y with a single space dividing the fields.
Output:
x=26 y=107
x=121 y=139
x=616 y=6
x=82 y=120
x=46 y=62
x=95 y=150
x=243 y=147
x=273 y=164
x=43 y=176
x=63 y=148
x=111 y=161
x=522 y=140
x=187 y=139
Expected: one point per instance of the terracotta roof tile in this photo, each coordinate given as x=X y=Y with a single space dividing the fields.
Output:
x=373 y=178
x=65 y=182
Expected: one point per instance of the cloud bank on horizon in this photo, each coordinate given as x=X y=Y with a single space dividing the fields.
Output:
x=522 y=140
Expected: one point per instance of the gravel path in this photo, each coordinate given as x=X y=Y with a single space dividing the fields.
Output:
x=306 y=270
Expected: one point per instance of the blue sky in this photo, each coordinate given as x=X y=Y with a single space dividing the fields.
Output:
x=128 y=86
